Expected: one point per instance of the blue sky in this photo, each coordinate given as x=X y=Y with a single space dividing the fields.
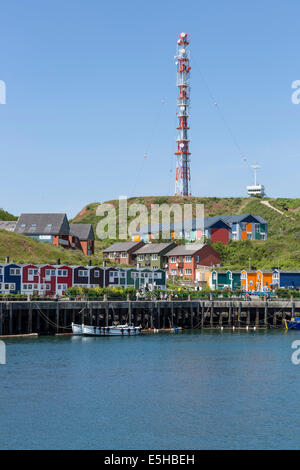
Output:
x=85 y=83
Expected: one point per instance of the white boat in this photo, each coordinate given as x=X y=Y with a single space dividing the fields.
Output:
x=76 y=329
x=119 y=330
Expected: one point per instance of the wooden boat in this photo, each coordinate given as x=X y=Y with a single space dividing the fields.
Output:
x=293 y=324
x=76 y=329
x=119 y=330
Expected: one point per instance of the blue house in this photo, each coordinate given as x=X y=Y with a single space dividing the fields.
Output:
x=286 y=279
x=12 y=279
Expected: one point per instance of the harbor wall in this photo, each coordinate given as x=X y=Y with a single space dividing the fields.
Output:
x=49 y=318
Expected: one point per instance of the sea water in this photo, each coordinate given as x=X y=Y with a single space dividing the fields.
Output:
x=192 y=390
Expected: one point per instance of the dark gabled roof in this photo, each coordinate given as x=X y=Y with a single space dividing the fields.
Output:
x=185 y=250
x=82 y=231
x=194 y=224
x=153 y=248
x=236 y=219
x=121 y=246
x=43 y=224
x=8 y=225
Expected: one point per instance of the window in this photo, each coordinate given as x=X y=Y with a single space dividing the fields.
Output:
x=197 y=259
x=173 y=272
x=24 y=286
x=82 y=273
x=155 y=267
x=48 y=272
x=140 y=257
x=35 y=272
x=124 y=255
x=30 y=272
x=96 y=273
x=249 y=236
x=188 y=259
x=0 y=270
x=123 y=275
x=65 y=272
x=188 y=272
x=47 y=286
x=29 y=286
x=33 y=225
x=214 y=276
x=243 y=226
x=111 y=255
x=257 y=228
x=23 y=225
x=243 y=276
x=14 y=271
x=59 y=272
x=154 y=257
x=173 y=259
x=49 y=225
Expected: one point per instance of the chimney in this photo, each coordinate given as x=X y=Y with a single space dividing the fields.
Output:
x=58 y=261
x=7 y=259
x=90 y=263
x=104 y=264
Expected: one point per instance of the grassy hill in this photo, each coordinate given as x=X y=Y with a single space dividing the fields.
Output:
x=22 y=249
x=281 y=249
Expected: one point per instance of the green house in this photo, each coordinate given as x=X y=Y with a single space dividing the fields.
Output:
x=153 y=255
x=138 y=278
x=225 y=280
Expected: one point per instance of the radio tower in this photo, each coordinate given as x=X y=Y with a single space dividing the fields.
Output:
x=183 y=172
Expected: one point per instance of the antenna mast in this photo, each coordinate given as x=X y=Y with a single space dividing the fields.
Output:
x=183 y=172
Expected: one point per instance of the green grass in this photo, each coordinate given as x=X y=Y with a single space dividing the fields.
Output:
x=282 y=248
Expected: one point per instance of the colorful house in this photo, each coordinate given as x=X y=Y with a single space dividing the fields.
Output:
x=203 y=275
x=256 y=280
x=30 y=279
x=225 y=280
x=64 y=279
x=247 y=227
x=122 y=252
x=12 y=279
x=47 y=280
x=218 y=229
x=153 y=255
x=96 y=276
x=286 y=279
x=183 y=260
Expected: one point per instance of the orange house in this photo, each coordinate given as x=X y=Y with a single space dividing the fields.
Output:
x=256 y=280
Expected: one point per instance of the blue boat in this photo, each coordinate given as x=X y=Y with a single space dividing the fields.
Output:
x=293 y=324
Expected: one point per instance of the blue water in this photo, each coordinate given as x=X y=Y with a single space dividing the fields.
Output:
x=206 y=390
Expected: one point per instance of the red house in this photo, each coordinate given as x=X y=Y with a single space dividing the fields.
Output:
x=47 y=280
x=183 y=260
x=30 y=279
x=64 y=279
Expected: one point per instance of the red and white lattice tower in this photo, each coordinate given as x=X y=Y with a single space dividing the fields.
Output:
x=183 y=172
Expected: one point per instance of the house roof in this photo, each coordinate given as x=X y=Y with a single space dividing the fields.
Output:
x=153 y=248
x=235 y=219
x=121 y=246
x=186 y=250
x=8 y=225
x=82 y=231
x=43 y=224
x=196 y=224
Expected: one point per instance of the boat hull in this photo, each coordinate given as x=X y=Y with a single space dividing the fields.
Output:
x=110 y=331
x=77 y=329
x=293 y=324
